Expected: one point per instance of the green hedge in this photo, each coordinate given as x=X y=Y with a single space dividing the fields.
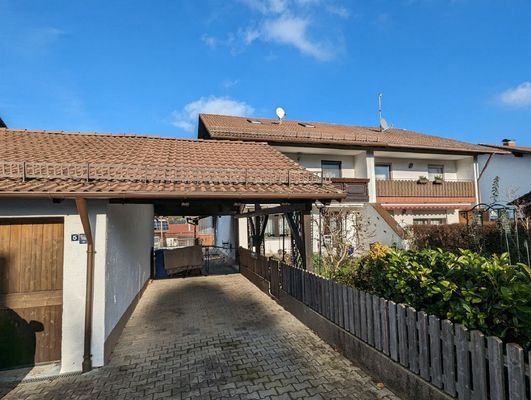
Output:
x=486 y=240
x=484 y=293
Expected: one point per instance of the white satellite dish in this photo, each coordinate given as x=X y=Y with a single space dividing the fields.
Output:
x=280 y=113
x=383 y=124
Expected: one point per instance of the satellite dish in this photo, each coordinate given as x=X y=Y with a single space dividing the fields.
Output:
x=383 y=124
x=280 y=113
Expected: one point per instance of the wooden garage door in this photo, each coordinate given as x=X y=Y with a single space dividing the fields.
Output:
x=31 y=295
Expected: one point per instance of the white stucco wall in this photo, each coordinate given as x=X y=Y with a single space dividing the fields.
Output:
x=129 y=243
x=74 y=273
x=514 y=173
x=380 y=230
x=243 y=240
x=312 y=162
x=224 y=235
x=400 y=167
x=405 y=219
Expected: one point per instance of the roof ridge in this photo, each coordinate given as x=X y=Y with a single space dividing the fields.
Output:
x=132 y=135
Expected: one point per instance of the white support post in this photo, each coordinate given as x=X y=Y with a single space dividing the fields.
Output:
x=371 y=176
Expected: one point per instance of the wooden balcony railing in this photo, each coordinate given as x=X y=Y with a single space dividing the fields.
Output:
x=406 y=188
x=355 y=188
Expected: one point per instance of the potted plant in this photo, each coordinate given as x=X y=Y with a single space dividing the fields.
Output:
x=438 y=179
x=422 y=180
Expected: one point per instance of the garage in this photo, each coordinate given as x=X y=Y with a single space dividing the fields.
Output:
x=77 y=210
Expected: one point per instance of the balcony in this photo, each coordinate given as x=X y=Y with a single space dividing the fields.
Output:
x=356 y=189
x=412 y=188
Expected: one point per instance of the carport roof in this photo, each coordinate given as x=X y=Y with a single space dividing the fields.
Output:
x=71 y=164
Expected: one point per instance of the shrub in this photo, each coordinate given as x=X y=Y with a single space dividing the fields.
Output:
x=485 y=239
x=484 y=293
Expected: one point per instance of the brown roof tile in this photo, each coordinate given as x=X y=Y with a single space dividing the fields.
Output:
x=114 y=165
x=271 y=131
x=511 y=149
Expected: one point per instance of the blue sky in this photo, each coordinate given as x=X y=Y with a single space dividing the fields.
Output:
x=457 y=68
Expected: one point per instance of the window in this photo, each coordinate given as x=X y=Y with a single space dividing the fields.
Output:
x=160 y=224
x=382 y=172
x=331 y=169
x=306 y=125
x=276 y=226
x=429 y=221
x=435 y=170
x=254 y=121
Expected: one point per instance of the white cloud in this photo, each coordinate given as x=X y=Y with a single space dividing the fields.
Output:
x=339 y=10
x=229 y=83
x=519 y=96
x=210 y=41
x=186 y=119
x=285 y=22
x=293 y=31
x=267 y=6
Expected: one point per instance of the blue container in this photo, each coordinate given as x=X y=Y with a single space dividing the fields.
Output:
x=160 y=271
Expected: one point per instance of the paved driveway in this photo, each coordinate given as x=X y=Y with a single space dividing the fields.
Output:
x=215 y=337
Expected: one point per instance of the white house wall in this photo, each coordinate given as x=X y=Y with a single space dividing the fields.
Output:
x=400 y=167
x=74 y=273
x=224 y=235
x=312 y=162
x=379 y=229
x=129 y=243
x=406 y=218
x=514 y=173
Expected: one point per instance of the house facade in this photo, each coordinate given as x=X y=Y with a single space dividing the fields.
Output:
x=512 y=166
x=411 y=177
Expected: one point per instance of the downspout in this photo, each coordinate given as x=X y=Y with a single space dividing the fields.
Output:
x=476 y=179
x=82 y=209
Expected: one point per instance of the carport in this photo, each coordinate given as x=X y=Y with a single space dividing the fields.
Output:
x=96 y=194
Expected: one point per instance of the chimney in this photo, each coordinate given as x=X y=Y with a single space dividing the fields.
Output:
x=509 y=142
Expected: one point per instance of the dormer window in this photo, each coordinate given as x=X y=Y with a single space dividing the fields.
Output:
x=306 y=125
x=254 y=121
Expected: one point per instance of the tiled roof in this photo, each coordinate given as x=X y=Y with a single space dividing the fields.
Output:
x=512 y=149
x=119 y=165
x=293 y=132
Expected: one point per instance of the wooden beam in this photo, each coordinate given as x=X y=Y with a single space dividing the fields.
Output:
x=301 y=232
x=307 y=238
x=283 y=209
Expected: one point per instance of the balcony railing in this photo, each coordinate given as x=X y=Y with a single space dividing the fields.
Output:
x=413 y=188
x=355 y=188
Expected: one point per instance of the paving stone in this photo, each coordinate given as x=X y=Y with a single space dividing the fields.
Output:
x=215 y=337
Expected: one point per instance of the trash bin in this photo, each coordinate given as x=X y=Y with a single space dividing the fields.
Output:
x=160 y=271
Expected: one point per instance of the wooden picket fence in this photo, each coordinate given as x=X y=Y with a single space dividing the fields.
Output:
x=462 y=363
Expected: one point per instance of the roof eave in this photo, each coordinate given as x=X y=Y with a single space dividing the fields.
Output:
x=176 y=195
x=217 y=135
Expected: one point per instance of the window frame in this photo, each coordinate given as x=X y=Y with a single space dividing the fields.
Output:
x=332 y=163
x=429 y=221
x=390 y=167
x=434 y=166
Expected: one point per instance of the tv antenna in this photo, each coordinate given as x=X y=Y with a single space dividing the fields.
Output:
x=383 y=123
x=280 y=113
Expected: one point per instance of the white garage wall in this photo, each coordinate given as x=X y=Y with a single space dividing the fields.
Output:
x=224 y=234
x=129 y=243
x=74 y=273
